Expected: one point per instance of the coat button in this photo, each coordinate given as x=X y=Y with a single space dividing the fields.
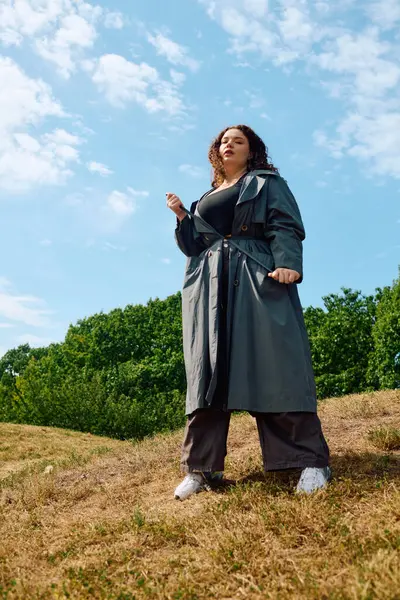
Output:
x=210 y=253
x=244 y=228
x=236 y=282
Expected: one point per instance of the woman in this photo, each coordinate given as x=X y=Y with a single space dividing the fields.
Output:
x=244 y=339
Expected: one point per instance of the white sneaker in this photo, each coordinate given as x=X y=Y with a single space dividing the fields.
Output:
x=192 y=484
x=313 y=479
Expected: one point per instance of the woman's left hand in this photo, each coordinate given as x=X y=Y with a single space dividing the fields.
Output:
x=284 y=275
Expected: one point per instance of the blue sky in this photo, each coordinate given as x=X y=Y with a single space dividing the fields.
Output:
x=105 y=107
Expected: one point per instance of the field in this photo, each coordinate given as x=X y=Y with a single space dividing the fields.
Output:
x=89 y=517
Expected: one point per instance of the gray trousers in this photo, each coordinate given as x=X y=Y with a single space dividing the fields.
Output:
x=288 y=440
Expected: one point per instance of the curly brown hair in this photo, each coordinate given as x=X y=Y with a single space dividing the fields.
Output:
x=259 y=158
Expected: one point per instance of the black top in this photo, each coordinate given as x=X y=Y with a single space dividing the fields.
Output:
x=218 y=209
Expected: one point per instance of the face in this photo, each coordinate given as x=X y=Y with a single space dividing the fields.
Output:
x=234 y=149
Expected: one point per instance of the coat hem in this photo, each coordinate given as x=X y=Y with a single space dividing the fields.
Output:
x=311 y=405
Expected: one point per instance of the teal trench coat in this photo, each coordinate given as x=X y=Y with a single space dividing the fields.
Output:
x=268 y=350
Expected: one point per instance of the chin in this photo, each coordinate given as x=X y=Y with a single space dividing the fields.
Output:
x=231 y=160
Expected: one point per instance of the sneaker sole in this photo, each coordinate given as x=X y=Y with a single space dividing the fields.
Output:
x=203 y=489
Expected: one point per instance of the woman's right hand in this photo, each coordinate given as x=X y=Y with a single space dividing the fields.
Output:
x=175 y=204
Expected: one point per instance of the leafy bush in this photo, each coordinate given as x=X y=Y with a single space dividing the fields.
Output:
x=384 y=368
x=122 y=374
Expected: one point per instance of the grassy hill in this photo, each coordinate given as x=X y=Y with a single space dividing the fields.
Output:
x=103 y=522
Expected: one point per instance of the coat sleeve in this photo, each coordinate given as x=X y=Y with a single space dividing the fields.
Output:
x=284 y=227
x=189 y=240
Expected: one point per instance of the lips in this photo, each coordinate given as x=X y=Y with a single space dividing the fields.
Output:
x=228 y=153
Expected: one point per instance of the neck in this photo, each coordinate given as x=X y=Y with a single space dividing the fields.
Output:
x=234 y=174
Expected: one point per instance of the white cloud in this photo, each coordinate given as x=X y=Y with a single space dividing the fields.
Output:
x=373 y=139
x=119 y=207
x=121 y=204
x=281 y=34
x=138 y=193
x=24 y=309
x=114 y=20
x=258 y=8
x=177 y=77
x=34 y=341
x=26 y=18
x=295 y=25
x=166 y=261
x=96 y=167
x=60 y=30
x=64 y=47
x=45 y=243
x=173 y=52
x=4 y=282
x=255 y=101
x=385 y=13
x=322 y=7
x=364 y=57
x=88 y=65
x=193 y=171
x=124 y=81
x=358 y=68
x=24 y=101
x=369 y=85
x=109 y=246
x=6 y=325
x=8 y=37
x=26 y=160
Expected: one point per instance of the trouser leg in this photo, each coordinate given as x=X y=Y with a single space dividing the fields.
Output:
x=291 y=440
x=204 y=443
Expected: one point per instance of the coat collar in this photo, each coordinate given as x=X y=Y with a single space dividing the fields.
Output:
x=253 y=184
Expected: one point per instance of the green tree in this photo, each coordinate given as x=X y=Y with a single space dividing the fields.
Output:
x=384 y=367
x=341 y=342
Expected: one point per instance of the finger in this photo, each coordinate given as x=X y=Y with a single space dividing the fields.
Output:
x=171 y=202
x=282 y=276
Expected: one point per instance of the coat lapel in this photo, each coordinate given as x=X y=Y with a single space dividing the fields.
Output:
x=253 y=184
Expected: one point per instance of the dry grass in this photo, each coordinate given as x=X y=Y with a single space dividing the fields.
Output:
x=103 y=524
x=385 y=438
